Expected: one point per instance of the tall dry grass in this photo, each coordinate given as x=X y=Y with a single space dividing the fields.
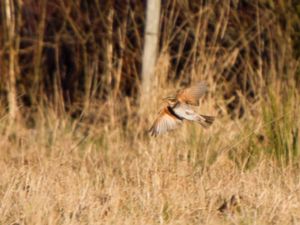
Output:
x=80 y=154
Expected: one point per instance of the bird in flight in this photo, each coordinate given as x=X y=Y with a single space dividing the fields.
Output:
x=179 y=108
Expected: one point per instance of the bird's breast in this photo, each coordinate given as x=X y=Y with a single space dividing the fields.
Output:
x=185 y=112
x=173 y=113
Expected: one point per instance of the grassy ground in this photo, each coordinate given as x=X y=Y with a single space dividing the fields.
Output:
x=77 y=172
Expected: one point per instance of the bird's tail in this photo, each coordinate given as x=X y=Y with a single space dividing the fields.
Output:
x=206 y=121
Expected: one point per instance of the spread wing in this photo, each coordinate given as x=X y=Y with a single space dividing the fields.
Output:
x=164 y=122
x=191 y=95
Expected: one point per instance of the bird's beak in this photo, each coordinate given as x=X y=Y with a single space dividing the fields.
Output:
x=166 y=98
x=169 y=99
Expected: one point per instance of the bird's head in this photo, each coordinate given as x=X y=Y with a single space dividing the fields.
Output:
x=171 y=100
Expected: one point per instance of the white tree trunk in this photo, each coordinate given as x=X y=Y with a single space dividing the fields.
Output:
x=150 y=49
x=11 y=37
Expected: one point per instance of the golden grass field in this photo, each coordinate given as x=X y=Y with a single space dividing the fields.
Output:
x=78 y=172
x=74 y=142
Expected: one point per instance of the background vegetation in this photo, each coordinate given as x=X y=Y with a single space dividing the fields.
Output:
x=75 y=150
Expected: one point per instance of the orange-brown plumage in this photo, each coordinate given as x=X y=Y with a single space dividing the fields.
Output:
x=166 y=120
x=192 y=94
